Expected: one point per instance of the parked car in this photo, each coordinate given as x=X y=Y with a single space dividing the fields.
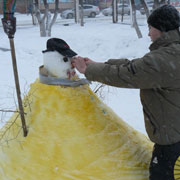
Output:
x=150 y=7
x=178 y=7
x=108 y=11
x=88 y=10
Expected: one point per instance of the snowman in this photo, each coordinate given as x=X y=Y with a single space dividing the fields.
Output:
x=57 y=59
x=57 y=68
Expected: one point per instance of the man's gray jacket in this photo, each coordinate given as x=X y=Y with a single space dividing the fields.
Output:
x=157 y=75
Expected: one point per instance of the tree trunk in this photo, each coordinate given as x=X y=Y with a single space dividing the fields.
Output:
x=135 y=25
x=34 y=21
x=114 y=11
x=30 y=10
x=82 y=13
x=54 y=17
x=41 y=20
x=164 y=2
x=42 y=29
x=145 y=8
x=122 y=15
x=156 y=4
x=45 y=22
x=131 y=14
x=76 y=4
x=47 y=16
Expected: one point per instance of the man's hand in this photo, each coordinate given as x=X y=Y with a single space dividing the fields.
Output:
x=89 y=61
x=79 y=63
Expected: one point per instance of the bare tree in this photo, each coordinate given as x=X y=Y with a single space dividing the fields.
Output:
x=145 y=8
x=134 y=21
x=30 y=10
x=13 y=122
x=45 y=21
x=82 y=13
x=34 y=20
x=114 y=11
x=79 y=12
x=76 y=7
x=100 y=90
x=122 y=15
x=158 y=3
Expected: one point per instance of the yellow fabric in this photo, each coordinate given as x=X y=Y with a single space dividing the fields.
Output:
x=72 y=136
x=177 y=169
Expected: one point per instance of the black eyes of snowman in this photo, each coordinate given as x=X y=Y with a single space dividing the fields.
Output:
x=65 y=59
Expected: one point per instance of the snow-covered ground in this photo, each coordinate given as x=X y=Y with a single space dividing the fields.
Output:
x=99 y=40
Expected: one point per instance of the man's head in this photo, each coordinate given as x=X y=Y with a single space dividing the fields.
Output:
x=163 y=19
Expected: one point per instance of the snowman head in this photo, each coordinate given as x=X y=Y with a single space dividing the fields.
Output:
x=57 y=59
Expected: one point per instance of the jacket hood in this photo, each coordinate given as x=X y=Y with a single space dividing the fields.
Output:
x=166 y=39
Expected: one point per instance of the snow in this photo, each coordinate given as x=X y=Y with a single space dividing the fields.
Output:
x=99 y=39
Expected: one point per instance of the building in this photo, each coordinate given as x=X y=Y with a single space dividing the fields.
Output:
x=24 y=6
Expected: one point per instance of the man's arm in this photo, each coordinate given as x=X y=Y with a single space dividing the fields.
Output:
x=117 y=61
x=81 y=63
x=141 y=73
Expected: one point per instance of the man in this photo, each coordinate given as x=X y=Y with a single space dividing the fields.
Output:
x=157 y=75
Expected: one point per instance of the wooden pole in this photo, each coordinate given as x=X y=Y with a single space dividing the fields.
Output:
x=21 y=109
x=9 y=26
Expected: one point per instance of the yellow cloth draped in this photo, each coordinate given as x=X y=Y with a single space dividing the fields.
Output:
x=72 y=136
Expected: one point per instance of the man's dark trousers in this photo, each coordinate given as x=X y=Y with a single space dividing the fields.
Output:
x=163 y=160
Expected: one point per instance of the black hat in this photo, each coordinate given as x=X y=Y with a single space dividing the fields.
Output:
x=55 y=44
x=165 y=18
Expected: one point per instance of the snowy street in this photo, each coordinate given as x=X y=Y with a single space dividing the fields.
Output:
x=25 y=20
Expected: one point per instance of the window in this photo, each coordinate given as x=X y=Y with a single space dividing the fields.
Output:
x=87 y=7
